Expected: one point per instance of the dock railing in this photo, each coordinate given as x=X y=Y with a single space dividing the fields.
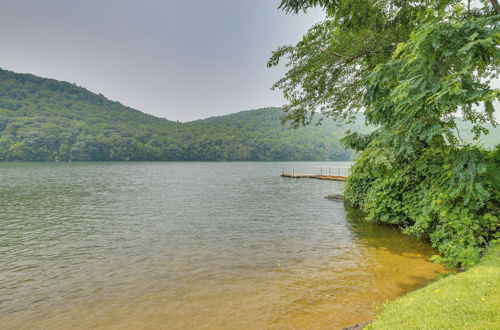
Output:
x=340 y=172
x=334 y=170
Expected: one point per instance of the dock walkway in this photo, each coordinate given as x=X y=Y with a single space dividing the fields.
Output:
x=320 y=176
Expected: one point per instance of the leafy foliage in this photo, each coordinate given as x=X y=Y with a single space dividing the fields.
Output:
x=328 y=66
x=428 y=180
x=295 y=6
x=450 y=196
x=415 y=170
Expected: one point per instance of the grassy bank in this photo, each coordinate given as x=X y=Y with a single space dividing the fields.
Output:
x=468 y=300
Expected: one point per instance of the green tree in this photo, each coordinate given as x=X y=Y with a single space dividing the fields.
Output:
x=412 y=66
x=20 y=151
x=328 y=67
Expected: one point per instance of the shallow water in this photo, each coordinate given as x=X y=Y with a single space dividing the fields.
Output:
x=192 y=245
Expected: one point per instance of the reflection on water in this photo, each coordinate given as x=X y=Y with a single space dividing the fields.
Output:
x=191 y=245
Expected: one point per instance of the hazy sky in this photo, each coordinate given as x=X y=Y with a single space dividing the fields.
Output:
x=177 y=59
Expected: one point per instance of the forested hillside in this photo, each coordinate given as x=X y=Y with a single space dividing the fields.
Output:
x=45 y=119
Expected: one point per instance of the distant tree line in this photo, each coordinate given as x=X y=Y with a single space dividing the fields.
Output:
x=47 y=120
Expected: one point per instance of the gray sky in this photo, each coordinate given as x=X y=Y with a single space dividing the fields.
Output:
x=177 y=59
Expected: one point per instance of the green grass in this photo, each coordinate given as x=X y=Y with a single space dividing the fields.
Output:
x=468 y=300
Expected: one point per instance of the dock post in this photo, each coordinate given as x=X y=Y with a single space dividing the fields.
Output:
x=293 y=171
x=321 y=171
x=330 y=171
x=283 y=171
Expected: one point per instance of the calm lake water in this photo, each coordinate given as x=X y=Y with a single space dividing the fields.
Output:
x=192 y=246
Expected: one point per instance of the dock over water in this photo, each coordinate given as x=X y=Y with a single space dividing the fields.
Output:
x=326 y=173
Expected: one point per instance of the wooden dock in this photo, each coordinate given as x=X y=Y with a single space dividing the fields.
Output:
x=314 y=176
x=320 y=176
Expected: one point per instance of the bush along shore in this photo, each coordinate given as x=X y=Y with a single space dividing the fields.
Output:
x=450 y=196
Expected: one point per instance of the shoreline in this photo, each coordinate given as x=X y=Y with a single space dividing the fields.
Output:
x=448 y=301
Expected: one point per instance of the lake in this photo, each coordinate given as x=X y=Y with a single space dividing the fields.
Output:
x=192 y=246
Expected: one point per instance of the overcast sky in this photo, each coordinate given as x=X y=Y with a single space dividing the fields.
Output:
x=177 y=59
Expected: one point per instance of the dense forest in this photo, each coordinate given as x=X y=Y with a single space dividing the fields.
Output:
x=45 y=119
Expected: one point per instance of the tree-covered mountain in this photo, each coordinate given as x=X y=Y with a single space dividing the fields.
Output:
x=45 y=119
